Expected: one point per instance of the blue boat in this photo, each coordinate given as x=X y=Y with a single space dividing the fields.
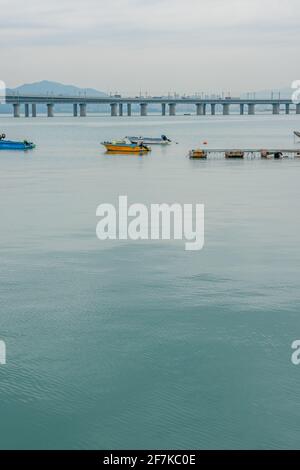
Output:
x=15 y=145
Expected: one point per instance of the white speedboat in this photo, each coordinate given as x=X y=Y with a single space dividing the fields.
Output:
x=162 y=140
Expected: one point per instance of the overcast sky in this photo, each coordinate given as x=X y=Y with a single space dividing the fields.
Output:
x=151 y=45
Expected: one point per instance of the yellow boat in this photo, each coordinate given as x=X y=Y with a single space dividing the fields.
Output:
x=197 y=153
x=125 y=147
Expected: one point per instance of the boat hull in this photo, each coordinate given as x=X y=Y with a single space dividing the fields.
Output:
x=11 y=145
x=134 y=140
x=235 y=155
x=125 y=148
x=198 y=154
x=149 y=140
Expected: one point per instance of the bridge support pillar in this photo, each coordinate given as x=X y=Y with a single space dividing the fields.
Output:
x=143 y=109
x=199 y=109
x=287 y=108
x=298 y=108
x=251 y=108
x=128 y=109
x=82 y=109
x=276 y=108
x=120 y=109
x=113 y=109
x=241 y=108
x=75 y=110
x=50 y=107
x=213 y=109
x=33 y=109
x=16 y=110
x=26 y=110
x=225 y=109
x=172 y=109
x=163 y=109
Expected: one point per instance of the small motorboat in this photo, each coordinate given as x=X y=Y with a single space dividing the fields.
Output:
x=270 y=155
x=266 y=154
x=162 y=140
x=197 y=153
x=234 y=154
x=15 y=145
x=125 y=146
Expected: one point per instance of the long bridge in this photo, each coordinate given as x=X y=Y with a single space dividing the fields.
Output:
x=168 y=105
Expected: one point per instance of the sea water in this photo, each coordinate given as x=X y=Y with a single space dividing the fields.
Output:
x=141 y=344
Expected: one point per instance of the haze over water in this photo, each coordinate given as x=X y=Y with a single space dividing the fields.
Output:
x=143 y=344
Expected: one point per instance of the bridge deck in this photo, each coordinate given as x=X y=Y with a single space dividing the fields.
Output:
x=10 y=98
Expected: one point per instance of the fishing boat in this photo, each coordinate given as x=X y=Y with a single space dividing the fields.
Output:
x=197 y=153
x=162 y=140
x=297 y=134
x=15 y=145
x=266 y=154
x=272 y=154
x=123 y=146
x=234 y=154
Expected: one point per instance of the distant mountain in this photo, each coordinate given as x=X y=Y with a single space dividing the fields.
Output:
x=46 y=87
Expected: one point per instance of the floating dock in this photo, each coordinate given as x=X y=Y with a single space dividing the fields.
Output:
x=250 y=153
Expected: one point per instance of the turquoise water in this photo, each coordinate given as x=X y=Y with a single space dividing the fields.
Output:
x=144 y=344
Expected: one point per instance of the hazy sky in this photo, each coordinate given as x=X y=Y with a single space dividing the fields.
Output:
x=151 y=45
